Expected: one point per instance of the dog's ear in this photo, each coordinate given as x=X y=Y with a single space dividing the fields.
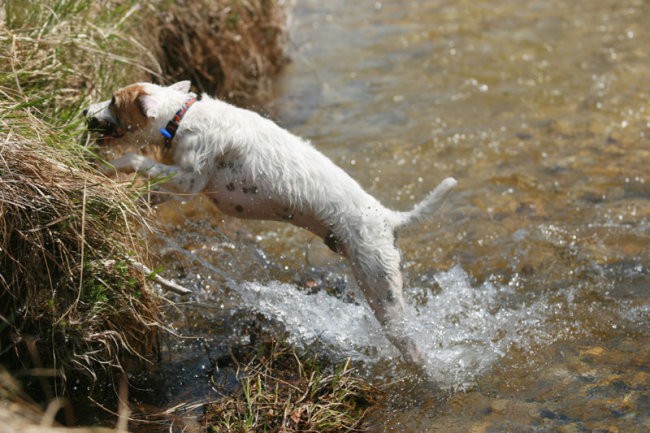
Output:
x=181 y=86
x=149 y=105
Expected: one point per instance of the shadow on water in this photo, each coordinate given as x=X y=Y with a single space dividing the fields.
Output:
x=530 y=291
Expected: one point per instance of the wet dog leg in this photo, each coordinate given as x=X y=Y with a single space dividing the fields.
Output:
x=378 y=274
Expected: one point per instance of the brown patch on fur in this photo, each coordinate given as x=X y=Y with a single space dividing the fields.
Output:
x=128 y=109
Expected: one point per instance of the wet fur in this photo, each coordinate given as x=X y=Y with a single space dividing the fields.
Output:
x=252 y=168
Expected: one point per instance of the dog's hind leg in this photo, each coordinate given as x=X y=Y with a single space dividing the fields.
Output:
x=378 y=275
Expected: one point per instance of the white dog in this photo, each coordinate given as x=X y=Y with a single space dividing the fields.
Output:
x=252 y=168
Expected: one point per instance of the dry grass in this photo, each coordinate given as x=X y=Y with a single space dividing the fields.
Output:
x=55 y=55
x=284 y=392
x=64 y=303
x=68 y=298
x=227 y=48
x=19 y=414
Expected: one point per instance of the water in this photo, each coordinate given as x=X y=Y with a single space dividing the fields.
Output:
x=462 y=329
x=531 y=289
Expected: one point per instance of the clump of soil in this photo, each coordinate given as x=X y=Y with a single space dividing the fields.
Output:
x=71 y=302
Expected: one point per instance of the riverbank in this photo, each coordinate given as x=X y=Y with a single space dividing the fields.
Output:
x=74 y=308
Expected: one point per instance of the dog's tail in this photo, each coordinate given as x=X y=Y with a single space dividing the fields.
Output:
x=426 y=208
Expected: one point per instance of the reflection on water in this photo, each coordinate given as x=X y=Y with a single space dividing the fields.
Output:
x=531 y=289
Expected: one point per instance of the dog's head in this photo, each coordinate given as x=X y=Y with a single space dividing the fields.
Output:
x=134 y=109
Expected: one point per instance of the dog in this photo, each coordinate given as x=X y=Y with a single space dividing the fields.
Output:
x=252 y=168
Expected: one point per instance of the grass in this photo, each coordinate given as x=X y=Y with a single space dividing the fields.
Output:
x=58 y=228
x=282 y=391
x=59 y=54
x=65 y=302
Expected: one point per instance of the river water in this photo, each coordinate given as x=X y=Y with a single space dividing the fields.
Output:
x=531 y=288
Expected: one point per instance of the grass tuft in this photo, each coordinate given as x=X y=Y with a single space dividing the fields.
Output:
x=284 y=392
x=59 y=291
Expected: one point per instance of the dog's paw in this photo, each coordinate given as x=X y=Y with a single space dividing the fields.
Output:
x=128 y=163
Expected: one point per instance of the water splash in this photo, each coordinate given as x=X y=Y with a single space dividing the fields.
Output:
x=462 y=329
x=347 y=329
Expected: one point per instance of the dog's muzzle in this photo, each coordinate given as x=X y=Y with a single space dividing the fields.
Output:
x=102 y=125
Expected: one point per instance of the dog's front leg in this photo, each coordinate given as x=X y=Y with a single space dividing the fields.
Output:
x=176 y=179
x=127 y=163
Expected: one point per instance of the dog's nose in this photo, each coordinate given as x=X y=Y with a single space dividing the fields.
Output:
x=94 y=124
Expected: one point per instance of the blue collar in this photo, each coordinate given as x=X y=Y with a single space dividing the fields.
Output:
x=169 y=131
